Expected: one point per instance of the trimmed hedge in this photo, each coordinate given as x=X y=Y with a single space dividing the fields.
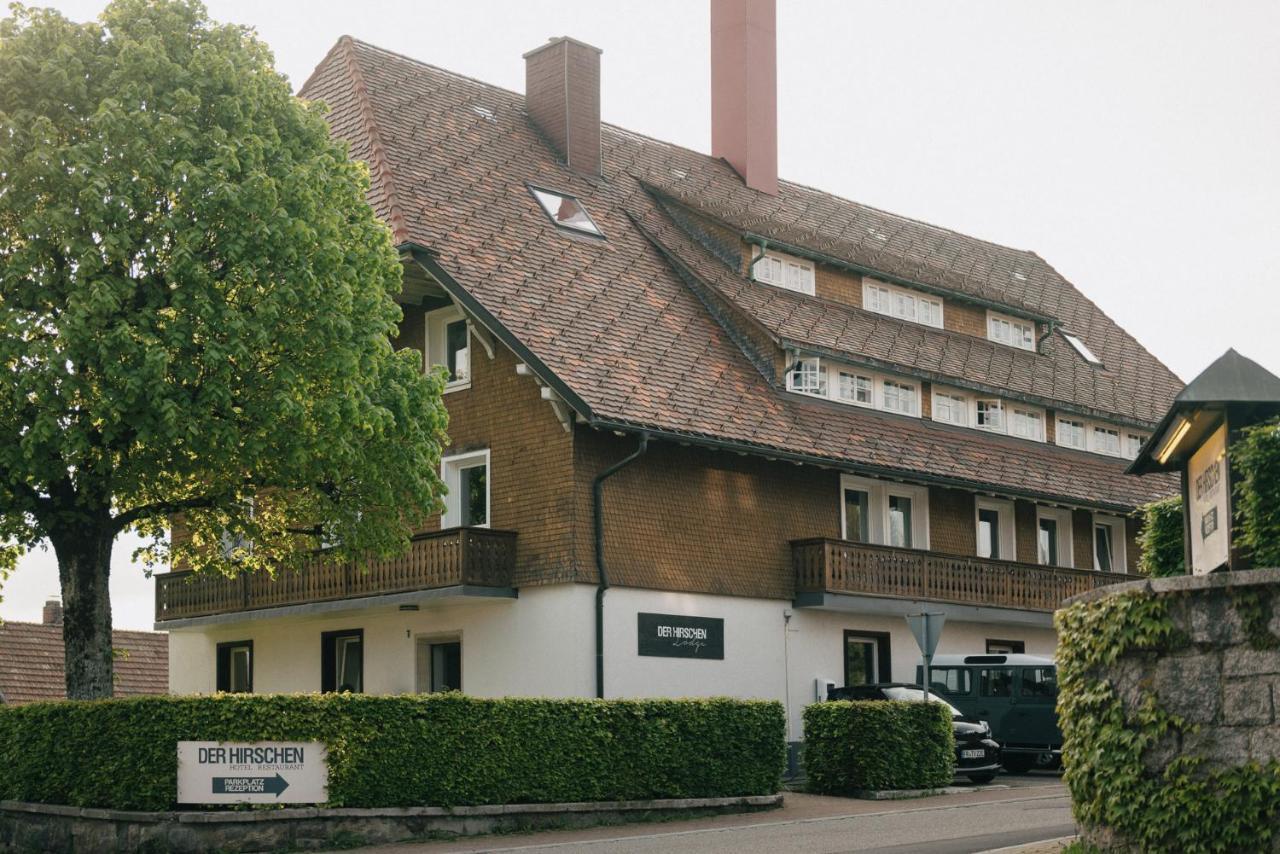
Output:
x=437 y=750
x=877 y=744
x=1255 y=465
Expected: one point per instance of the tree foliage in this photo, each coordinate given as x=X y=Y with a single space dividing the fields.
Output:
x=196 y=303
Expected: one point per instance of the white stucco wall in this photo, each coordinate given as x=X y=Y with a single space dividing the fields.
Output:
x=543 y=644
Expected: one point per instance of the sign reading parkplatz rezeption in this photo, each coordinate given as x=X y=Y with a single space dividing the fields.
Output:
x=261 y=772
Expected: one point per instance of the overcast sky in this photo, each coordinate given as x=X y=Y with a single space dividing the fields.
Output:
x=1133 y=145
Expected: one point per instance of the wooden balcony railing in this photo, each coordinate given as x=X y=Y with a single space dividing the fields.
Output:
x=458 y=556
x=839 y=566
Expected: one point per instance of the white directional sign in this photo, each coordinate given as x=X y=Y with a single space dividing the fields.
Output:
x=261 y=772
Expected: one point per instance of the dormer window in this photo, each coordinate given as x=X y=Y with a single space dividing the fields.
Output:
x=901 y=303
x=1106 y=440
x=1070 y=433
x=899 y=397
x=566 y=211
x=1011 y=331
x=1080 y=347
x=950 y=408
x=855 y=388
x=784 y=271
x=990 y=415
x=807 y=377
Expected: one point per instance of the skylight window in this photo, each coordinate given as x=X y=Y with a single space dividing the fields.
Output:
x=1083 y=349
x=566 y=211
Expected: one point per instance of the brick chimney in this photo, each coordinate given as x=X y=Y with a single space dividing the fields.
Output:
x=744 y=89
x=562 y=94
x=52 y=613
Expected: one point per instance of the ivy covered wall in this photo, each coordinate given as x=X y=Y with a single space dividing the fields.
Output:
x=1168 y=706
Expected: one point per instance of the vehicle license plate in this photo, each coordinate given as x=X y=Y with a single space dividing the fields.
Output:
x=973 y=754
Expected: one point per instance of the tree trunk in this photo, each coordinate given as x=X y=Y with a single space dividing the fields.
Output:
x=84 y=568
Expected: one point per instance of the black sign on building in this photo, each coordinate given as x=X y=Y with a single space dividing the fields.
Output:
x=677 y=636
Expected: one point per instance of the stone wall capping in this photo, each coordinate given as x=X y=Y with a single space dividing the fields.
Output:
x=1183 y=584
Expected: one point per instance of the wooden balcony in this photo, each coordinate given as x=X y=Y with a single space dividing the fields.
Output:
x=838 y=566
x=461 y=558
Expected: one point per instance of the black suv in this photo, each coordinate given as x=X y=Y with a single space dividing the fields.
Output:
x=977 y=754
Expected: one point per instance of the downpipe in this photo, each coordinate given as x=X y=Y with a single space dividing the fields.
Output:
x=597 y=494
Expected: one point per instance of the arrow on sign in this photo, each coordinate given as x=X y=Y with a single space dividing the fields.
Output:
x=250 y=785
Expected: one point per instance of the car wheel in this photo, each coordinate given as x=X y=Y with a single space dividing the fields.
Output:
x=981 y=779
x=1017 y=764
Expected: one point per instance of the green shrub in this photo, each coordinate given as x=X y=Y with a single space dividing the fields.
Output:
x=880 y=744
x=1161 y=540
x=441 y=750
x=1255 y=467
x=1184 y=807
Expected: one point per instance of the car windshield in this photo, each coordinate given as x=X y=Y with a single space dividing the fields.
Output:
x=915 y=695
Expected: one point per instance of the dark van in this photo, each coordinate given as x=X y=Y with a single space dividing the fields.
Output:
x=1016 y=694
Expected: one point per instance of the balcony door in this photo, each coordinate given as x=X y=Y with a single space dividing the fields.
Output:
x=886 y=513
x=995 y=532
x=866 y=658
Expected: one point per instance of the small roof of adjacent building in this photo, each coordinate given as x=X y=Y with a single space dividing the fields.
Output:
x=32 y=666
x=1197 y=410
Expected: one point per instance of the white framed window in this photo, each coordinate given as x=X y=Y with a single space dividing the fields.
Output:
x=785 y=271
x=875 y=297
x=884 y=513
x=1109 y=544
x=899 y=397
x=950 y=408
x=901 y=303
x=466 y=477
x=995 y=529
x=807 y=376
x=449 y=346
x=1026 y=424
x=1071 y=434
x=989 y=415
x=1054 y=538
x=1077 y=344
x=1133 y=444
x=1105 y=440
x=856 y=388
x=1012 y=331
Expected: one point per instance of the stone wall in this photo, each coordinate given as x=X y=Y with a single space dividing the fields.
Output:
x=1218 y=672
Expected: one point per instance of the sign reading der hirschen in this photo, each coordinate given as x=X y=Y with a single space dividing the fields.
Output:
x=676 y=636
x=1210 y=510
x=264 y=772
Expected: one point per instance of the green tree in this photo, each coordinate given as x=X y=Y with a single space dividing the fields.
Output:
x=196 y=304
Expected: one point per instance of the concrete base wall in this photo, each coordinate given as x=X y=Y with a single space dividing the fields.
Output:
x=543 y=645
x=38 y=827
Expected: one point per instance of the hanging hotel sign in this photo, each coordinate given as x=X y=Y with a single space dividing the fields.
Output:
x=677 y=636
x=261 y=772
x=1210 y=515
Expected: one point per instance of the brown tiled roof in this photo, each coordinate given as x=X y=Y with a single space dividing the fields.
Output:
x=639 y=344
x=32 y=667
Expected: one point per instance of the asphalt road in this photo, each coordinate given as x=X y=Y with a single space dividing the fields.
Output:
x=952 y=824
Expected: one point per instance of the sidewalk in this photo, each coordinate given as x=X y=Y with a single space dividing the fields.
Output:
x=798 y=808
